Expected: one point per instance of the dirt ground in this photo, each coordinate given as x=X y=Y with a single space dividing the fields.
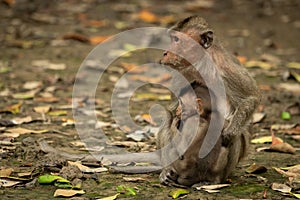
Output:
x=63 y=33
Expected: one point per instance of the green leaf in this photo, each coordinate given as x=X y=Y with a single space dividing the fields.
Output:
x=120 y=188
x=130 y=191
x=63 y=185
x=127 y=190
x=178 y=192
x=58 y=113
x=286 y=116
x=263 y=140
x=295 y=195
x=48 y=179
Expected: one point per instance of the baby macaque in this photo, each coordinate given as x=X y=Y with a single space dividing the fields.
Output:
x=242 y=98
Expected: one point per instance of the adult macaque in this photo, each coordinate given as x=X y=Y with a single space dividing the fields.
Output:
x=195 y=110
x=242 y=97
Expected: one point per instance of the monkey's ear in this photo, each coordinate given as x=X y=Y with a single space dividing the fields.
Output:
x=206 y=39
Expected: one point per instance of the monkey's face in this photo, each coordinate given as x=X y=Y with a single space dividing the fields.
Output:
x=179 y=51
x=186 y=48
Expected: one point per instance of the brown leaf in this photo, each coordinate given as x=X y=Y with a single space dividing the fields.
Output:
x=14 y=109
x=242 y=59
x=291 y=87
x=98 y=39
x=147 y=16
x=275 y=140
x=258 y=117
x=25 y=131
x=283 y=147
x=42 y=109
x=256 y=169
x=22 y=120
x=134 y=179
x=67 y=193
x=6 y=172
x=76 y=36
x=30 y=85
x=148 y=118
x=281 y=188
x=287 y=174
x=8 y=183
x=133 y=68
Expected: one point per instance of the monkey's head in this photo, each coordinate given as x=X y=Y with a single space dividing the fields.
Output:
x=186 y=36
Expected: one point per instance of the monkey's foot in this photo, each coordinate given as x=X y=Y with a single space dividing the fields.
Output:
x=168 y=177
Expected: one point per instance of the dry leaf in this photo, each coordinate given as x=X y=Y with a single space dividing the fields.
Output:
x=282 y=126
x=86 y=169
x=110 y=197
x=296 y=76
x=212 y=187
x=292 y=87
x=78 y=143
x=67 y=193
x=8 y=183
x=101 y=124
x=68 y=122
x=98 y=39
x=150 y=96
x=281 y=188
x=294 y=168
x=264 y=139
x=22 y=174
x=95 y=23
x=42 y=109
x=242 y=59
x=148 y=16
x=283 y=147
x=9 y=135
x=30 y=85
x=133 y=68
x=22 y=120
x=58 y=113
x=258 y=117
x=14 y=109
x=5 y=172
x=148 y=118
x=25 y=95
x=46 y=64
x=287 y=174
x=76 y=36
x=134 y=179
x=294 y=65
x=296 y=137
x=275 y=140
x=260 y=64
x=25 y=131
x=256 y=169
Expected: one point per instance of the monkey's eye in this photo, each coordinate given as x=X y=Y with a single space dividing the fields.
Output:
x=175 y=39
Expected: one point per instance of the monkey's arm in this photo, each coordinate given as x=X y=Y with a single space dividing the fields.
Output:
x=241 y=116
x=244 y=98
